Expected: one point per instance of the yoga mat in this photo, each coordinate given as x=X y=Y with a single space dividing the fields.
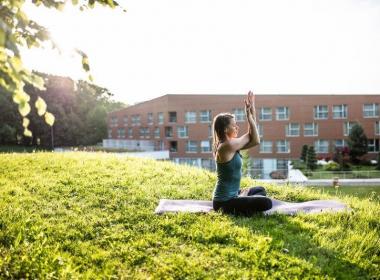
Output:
x=278 y=206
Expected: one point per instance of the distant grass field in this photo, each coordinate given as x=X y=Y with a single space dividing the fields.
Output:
x=90 y=216
x=370 y=192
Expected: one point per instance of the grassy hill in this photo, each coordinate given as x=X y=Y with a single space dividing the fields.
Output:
x=90 y=215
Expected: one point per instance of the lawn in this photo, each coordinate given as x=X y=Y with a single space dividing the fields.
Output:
x=90 y=215
x=369 y=192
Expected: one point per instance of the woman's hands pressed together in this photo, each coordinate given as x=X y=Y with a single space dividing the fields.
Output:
x=250 y=105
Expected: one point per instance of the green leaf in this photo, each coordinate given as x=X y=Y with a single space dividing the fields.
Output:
x=25 y=122
x=75 y=2
x=24 y=108
x=40 y=106
x=49 y=118
x=85 y=64
x=27 y=132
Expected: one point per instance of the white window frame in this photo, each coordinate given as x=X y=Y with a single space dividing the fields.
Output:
x=347 y=127
x=239 y=114
x=284 y=115
x=150 y=118
x=130 y=132
x=205 y=116
x=205 y=148
x=377 y=128
x=320 y=113
x=372 y=143
x=314 y=129
x=260 y=129
x=190 y=117
x=374 y=110
x=120 y=135
x=289 y=130
x=157 y=132
x=160 y=117
x=317 y=146
x=344 y=143
x=279 y=144
x=263 y=113
x=266 y=147
x=183 y=131
x=114 y=121
x=188 y=146
x=340 y=111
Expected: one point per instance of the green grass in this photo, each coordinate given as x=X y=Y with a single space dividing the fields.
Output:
x=90 y=215
x=369 y=192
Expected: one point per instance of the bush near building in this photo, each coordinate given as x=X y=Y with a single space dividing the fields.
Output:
x=358 y=143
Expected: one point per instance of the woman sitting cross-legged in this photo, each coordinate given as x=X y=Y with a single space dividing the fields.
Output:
x=227 y=194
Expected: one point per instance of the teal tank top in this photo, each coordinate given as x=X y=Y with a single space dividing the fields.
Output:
x=228 y=178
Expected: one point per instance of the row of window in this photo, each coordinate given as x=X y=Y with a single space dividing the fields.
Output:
x=321 y=112
x=291 y=130
x=320 y=145
x=192 y=146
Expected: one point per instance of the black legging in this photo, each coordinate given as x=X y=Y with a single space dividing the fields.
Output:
x=254 y=201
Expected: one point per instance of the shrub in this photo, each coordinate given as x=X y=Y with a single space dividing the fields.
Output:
x=277 y=175
x=331 y=166
x=304 y=152
x=311 y=160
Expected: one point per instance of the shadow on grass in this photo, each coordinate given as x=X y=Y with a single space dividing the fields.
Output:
x=290 y=238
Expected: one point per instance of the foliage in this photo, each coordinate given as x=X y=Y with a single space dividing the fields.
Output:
x=91 y=216
x=246 y=162
x=80 y=113
x=297 y=164
x=16 y=31
x=304 y=152
x=357 y=142
x=378 y=161
x=311 y=160
x=331 y=166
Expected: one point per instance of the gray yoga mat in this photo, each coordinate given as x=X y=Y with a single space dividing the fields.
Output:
x=278 y=206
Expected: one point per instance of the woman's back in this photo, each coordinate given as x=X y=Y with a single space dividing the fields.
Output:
x=228 y=178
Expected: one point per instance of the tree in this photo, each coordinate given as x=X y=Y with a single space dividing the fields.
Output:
x=17 y=30
x=304 y=152
x=378 y=162
x=311 y=159
x=246 y=164
x=357 y=142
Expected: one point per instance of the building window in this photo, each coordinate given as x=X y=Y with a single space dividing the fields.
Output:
x=265 y=146
x=190 y=117
x=150 y=118
x=239 y=114
x=183 y=132
x=321 y=146
x=310 y=129
x=168 y=131
x=340 y=111
x=282 y=113
x=205 y=116
x=109 y=133
x=157 y=132
x=173 y=117
x=191 y=146
x=347 y=127
x=160 y=118
x=371 y=110
x=125 y=120
x=120 y=133
x=292 y=129
x=340 y=144
x=209 y=131
x=283 y=146
x=265 y=114
x=320 y=112
x=205 y=146
x=282 y=164
x=173 y=146
x=377 y=128
x=373 y=145
x=113 y=121
x=135 y=120
x=130 y=132
x=260 y=129
x=144 y=132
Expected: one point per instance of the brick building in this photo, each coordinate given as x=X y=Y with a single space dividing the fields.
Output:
x=182 y=124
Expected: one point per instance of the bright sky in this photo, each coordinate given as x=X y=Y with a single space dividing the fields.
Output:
x=219 y=46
